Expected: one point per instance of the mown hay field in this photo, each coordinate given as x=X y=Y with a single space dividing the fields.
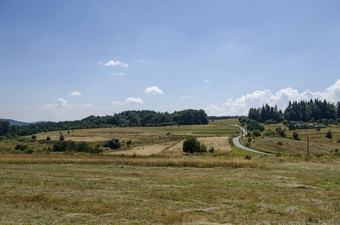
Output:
x=283 y=193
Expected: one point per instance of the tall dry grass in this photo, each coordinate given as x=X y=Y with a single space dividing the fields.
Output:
x=129 y=160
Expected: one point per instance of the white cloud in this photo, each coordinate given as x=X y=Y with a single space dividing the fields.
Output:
x=206 y=81
x=113 y=63
x=281 y=98
x=118 y=74
x=129 y=101
x=87 y=104
x=75 y=93
x=186 y=97
x=60 y=103
x=144 y=61
x=153 y=90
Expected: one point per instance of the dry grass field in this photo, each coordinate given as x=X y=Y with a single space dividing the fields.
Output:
x=152 y=181
x=283 y=193
x=318 y=143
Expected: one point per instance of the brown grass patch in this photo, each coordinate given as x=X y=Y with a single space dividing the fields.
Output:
x=189 y=161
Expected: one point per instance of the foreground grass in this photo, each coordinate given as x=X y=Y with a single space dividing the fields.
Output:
x=283 y=193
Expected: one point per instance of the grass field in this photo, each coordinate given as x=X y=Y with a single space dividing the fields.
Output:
x=318 y=143
x=152 y=181
x=283 y=193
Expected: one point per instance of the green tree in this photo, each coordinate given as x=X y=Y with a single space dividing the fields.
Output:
x=4 y=128
x=256 y=133
x=191 y=145
x=113 y=143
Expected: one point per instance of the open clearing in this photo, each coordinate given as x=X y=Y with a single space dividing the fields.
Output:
x=284 y=193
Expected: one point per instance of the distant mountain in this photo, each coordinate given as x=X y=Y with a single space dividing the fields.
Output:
x=16 y=123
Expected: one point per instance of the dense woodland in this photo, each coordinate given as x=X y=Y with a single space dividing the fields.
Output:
x=303 y=111
x=123 y=119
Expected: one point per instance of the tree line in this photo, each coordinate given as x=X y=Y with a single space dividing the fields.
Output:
x=305 y=111
x=140 y=118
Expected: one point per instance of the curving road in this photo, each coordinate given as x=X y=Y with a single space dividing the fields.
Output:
x=238 y=144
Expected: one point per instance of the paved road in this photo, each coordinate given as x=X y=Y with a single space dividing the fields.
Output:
x=238 y=144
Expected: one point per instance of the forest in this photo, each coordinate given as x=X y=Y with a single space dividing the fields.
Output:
x=140 y=118
x=303 y=111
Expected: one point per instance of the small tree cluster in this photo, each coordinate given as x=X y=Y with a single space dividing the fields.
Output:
x=63 y=146
x=192 y=145
x=113 y=143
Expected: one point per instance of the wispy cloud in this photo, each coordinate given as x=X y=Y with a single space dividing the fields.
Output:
x=75 y=94
x=206 y=81
x=60 y=103
x=281 y=98
x=144 y=61
x=153 y=90
x=113 y=63
x=130 y=100
x=186 y=97
x=118 y=74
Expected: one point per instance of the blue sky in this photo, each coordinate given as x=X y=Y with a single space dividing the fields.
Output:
x=65 y=60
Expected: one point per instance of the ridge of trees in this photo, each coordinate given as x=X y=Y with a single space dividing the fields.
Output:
x=141 y=118
x=305 y=111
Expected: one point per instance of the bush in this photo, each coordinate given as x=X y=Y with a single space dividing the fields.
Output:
x=191 y=145
x=114 y=143
x=329 y=134
x=61 y=138
x=129 y=142
x=212 y=150
x=48 y=138
x=296 y=136
x=279 y=143
x=254 y=125
x=247 y=157
x=34 y=137
x=82 y=147
x=20 y=147
x=203 y=148
x=256 y=133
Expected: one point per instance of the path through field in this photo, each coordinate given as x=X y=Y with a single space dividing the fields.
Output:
x=238 y=144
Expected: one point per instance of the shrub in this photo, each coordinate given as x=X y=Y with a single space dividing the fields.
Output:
x=296 y=136
x=212 y=150
x=203 y=148
x=254 y=125
x=329 y=134
x=61 y=138
x=113 y=143
x=129 y=142
x=34 y=137
x=82 y=147
x=48 y=138
x=247 y=157
x=191 y=145
x=279 y=143
x=256 y=133
x=20 y=147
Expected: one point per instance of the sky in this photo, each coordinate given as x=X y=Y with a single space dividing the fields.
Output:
x=66 y=60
